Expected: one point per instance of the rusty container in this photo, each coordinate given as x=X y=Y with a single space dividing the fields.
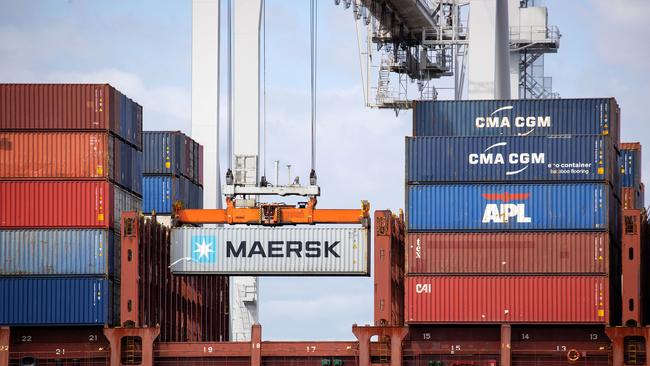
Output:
x=508 y=253
x=70 y=107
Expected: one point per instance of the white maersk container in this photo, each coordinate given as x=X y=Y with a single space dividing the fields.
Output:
x=324 y=251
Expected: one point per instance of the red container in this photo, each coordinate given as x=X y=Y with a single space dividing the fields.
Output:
x=70 y=107
x=525 y=252
x=47 y=155
x=63 y=204
x=507 y=299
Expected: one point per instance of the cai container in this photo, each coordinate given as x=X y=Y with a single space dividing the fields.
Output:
x=630 y=164
x=508 y=158
x=508 y=253
x=310 y=251
x=59 y=252
x=161 y=191
x=47 y=301
x=78 y=107
x=487 y=207
x=507 y=299
x=64 y=204
x=524 y=117
x=69 y=156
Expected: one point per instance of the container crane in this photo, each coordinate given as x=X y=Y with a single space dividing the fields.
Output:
x=245 y=181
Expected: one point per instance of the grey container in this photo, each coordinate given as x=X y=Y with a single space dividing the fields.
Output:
x=286 y=251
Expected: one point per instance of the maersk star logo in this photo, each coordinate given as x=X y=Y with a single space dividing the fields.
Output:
x=204 y=249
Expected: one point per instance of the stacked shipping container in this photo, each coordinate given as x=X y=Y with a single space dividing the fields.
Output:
x=70 y=163
x=630 y=163
x=173 y=171
x=513 y=212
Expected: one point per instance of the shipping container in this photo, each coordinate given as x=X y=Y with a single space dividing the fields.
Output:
x=508 y=253
x=59 y=252
x=78 y=107
x=82 y=204
x=69 y=155
x=507 y=299
x=530 y=117
x=47 y=301
x=577 y=206
x=161 y=191
x=507 y=158
x=630 y=164
x=326 y=251
x=172 y=152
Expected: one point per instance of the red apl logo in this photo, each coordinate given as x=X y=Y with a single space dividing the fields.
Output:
x=502 y=213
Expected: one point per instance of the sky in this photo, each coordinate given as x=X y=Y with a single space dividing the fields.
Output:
x=143 y=48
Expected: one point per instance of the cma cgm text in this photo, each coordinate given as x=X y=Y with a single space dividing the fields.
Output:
x=504 y=122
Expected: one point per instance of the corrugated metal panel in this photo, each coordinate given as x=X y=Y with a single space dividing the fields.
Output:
x=64 y=204
x=70 y=107
x=503 y=253
x=532 y=117
x=630 y=164
x=507 y=299
x=55 y=301
x=266 y=251
x=58 y=252
x=584 y=206
x=172 y=152
x=160 y=192
x=489 y=159
x=69 y=155
x=633 y=197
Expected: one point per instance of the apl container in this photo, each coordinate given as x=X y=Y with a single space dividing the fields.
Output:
x=69 y=155
x=507 y=158
x=57 y=301
x=79 y=107
x=75 y=204
x=479 y=207
x=507 y=299
x=59 y=252
x=160 y=192
x=326 y=251
x=529 y=117
x=508 y=253
x=630 y=164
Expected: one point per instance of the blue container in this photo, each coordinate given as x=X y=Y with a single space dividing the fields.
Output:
x=630 y=164
x=508 y=158
x=57 y=301
x=486 y=207
x=534 y=117
x=60 y=252
x=160 y=192
x=164 y=152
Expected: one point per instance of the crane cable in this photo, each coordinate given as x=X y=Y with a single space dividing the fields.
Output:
x=263 y=109
x=314 y=47
x=231 y=93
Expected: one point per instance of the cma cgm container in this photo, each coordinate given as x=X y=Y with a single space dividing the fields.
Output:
x=534 y=117
x=77 y=107
x=630 y=163
x=59 y=252
x=283 y=251
x=576 y=206
x=82 y=204
x=172 y=152
x=56 y=301
x=508 y=253
x=161 y=191
x=507 y=299
x=507 y=158
x=69 y=155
